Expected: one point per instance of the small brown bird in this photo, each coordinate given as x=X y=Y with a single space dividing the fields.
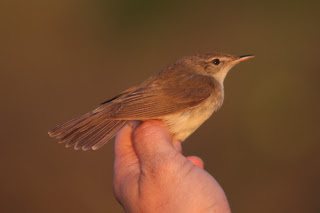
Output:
x=183 y=96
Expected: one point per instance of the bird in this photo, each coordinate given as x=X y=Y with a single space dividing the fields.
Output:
x=183 y=95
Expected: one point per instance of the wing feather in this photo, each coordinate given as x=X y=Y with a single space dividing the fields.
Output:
x=159 y=98
x=153 y=99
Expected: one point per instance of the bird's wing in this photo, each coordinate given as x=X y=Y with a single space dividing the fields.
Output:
x=151 y=100
x=131 y=89
x=156 y=98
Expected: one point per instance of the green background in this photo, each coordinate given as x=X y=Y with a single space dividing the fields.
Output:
x=61 y=58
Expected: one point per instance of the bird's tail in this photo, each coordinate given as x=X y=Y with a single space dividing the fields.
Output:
x=89 y=131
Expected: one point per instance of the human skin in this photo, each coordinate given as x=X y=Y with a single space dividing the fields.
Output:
x=151 y=174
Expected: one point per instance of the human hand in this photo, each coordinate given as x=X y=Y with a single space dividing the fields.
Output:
x=151 y=174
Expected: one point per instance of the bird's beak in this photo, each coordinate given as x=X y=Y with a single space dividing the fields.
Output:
x=242 y=58
x=239 y=59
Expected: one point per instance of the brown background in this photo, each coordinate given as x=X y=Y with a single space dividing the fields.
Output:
x=61 y=58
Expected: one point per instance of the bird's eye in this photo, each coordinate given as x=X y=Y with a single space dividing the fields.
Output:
x=216 y=61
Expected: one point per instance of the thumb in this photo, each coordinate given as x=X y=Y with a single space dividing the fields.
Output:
x=153 y=143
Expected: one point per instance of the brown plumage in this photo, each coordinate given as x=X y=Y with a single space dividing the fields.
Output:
x=183 y=95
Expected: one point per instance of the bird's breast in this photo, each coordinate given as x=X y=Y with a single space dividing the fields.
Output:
x=183 y=124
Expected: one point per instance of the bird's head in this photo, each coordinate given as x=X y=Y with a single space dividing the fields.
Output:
x=216 y=65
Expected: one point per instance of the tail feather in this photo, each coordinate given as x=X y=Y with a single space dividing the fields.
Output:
x=104 y=137
x=89 y=131
x=76 y=137
x=81 y=132
x=60 y=130
x=111 y=133
x=99 y=131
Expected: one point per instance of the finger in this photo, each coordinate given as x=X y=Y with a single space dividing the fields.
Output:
x=153 y=143
x=196 y=161
x=175 y=142
x=123 y=142
x=126 y=159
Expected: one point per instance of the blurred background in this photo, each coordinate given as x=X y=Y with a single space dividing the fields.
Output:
x=61 y=58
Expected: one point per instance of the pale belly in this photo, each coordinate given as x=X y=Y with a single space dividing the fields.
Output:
x=183 y=124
